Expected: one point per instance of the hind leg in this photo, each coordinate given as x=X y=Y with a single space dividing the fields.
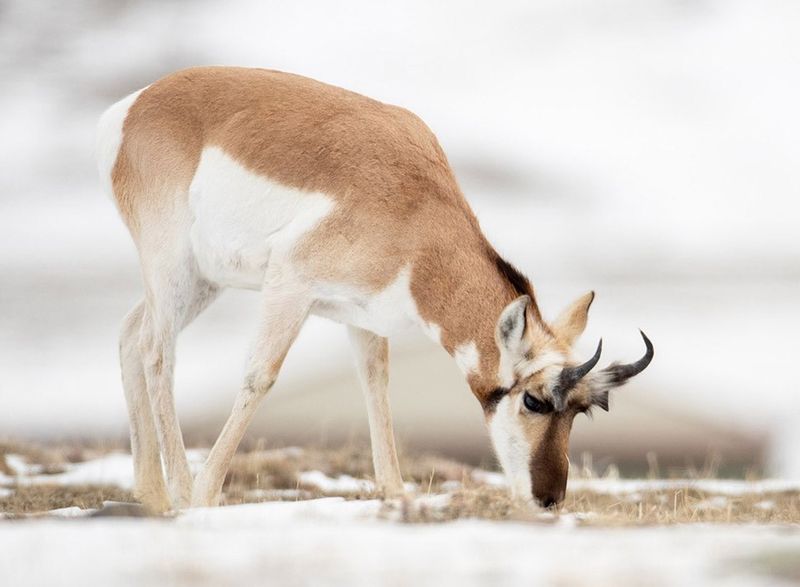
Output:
x=175 y=296
x=149 y=485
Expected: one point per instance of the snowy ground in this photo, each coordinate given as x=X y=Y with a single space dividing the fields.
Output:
x=349 y=541
x=335 y=542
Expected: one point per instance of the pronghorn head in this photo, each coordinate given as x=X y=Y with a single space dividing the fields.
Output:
x=530 y=416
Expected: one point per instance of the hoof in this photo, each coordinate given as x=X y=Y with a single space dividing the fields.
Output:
x=157 y=503
x=203 y=497
x=391 y=492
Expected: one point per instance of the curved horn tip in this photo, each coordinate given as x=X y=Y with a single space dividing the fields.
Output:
x=598 y=352
x=596 y=357
x=647 y=341
x=619 y=373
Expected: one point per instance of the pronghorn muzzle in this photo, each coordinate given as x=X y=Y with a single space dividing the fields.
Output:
x=549 y=466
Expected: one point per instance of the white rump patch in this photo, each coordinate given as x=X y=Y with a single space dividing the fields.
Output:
x=467 y=358
x=109 y=138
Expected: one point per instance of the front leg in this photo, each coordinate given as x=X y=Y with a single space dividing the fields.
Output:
x=286 y=306
x=372 y=363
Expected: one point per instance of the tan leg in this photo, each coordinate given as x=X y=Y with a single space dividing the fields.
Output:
x=372 y=363
x=149 y=486
x=175 y=297
x=285 y=309
x=158 y=350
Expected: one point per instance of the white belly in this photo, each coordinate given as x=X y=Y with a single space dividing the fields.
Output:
x=242 y=220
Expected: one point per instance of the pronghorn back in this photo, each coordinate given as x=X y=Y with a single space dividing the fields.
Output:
x=299 y=132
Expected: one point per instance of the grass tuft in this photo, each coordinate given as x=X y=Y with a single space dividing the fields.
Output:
x=30 y=499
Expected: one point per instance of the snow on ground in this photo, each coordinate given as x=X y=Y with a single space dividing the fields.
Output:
x=114 y=468
x=336 y=542
x=730 y=487
x=342 y=483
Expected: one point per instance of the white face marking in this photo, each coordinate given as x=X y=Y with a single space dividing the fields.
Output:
x=511 y=446
x=109 y=137
x=539 y=362
x=505 y=369
x=511 y=368
x=242 y=220
x=467 y=357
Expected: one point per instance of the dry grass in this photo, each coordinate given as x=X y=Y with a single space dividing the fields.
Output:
x=54 y=457
x=31 y=499
x=267 y=470
x=262 y=475
x=687 y=505
x=587 y=508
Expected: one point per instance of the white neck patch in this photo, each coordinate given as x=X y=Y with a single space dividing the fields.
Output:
x=467 y=357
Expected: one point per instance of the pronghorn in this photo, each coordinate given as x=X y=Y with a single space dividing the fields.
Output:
x=336 y=205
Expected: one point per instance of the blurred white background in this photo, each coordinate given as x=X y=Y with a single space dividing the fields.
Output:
x=646 y=149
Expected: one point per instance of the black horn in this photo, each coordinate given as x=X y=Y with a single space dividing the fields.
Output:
x=617 y=374
x=571 y=375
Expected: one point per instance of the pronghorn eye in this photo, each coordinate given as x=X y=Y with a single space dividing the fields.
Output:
x=536 y=405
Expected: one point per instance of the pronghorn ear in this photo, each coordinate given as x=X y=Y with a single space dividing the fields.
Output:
x=511 y=327
x=571 y=323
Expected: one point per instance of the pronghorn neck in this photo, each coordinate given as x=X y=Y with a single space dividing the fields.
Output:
x=460 y=295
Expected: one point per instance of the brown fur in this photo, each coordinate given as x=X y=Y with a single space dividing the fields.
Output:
x=549 y=463
x=398 y=203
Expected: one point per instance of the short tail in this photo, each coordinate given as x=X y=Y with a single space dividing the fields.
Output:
x=109 y=139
